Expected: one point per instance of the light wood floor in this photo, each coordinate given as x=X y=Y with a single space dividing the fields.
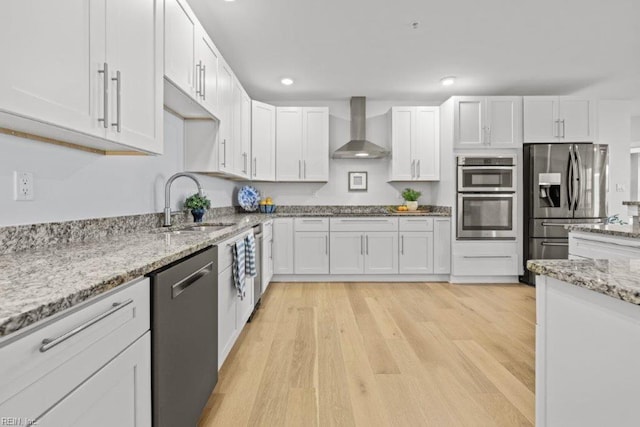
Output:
x=396 y=354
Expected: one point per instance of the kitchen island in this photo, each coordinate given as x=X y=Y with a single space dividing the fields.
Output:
x=587 y=342
x=604 y=241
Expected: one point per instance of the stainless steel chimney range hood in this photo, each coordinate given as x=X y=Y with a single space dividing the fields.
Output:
x=359 y=147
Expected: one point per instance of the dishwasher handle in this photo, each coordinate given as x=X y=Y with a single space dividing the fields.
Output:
x=182 y=285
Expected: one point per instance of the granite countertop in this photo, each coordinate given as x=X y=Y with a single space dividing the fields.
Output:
x=629 y=231
x=616 y=278
x=42 y=281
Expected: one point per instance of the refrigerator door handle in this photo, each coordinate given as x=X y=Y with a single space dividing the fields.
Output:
x=579 y=185
x=570 y=171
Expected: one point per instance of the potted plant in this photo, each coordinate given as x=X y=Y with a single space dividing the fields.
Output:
x=198 y=205
x=411 y=197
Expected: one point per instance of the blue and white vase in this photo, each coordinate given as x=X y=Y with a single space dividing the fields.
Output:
x=198 y=214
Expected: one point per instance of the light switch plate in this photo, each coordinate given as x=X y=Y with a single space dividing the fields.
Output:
x=23 y=190
x=620 y=188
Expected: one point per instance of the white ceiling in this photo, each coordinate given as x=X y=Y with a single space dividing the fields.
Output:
x=334 y=49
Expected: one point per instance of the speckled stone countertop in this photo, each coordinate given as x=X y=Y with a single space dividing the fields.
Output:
x=55 y=273
x=616 y=278
x=629 y=231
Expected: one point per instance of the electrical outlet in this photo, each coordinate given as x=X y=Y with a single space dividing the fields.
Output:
x=23 y=186
x=620 y=188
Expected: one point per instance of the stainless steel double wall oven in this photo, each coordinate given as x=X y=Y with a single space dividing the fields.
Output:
x=487 y=198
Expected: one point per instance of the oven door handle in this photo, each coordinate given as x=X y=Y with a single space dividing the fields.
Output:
x=500 y=168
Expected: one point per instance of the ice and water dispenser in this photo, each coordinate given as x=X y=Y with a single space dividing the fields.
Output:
x=549 y=189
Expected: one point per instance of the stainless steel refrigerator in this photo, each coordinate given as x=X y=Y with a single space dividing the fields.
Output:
x=563 y=184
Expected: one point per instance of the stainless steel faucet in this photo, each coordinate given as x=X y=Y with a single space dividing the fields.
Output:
x=167 y=194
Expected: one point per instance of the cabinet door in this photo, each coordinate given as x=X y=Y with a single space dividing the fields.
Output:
x=283 y=246
x=119 y=394
x=52 y=53
x=207 y=65
x=346 y=252
x=240 y=165
x=263 y=141
x=540 y=118
x=225 y=134
x=381 y=253
x=577 y=120
x=179 y=50
x=227 y=313
x=441 y=245
x=267 y=263
x=426 y=146
x=416 y=253
x=312 y=252
x=245 y=306
x=402 y=139
x=504 y=121
x=134 y=55
x=315 y=148
x=289 y=144
x=469 y=121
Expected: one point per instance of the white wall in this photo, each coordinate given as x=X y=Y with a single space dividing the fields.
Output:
x=335 y=192
x=72 y=184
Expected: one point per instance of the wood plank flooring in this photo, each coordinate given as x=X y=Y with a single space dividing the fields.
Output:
x=390 y=354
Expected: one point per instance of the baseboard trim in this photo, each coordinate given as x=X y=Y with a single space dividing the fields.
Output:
x=360 y=278
x=484 y=279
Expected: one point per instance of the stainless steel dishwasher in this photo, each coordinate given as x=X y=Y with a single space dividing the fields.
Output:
x=184 y=338
x=257 y=281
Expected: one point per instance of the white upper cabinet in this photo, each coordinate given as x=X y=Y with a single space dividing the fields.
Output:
x=85 y=72
x=207 y=71
x=263 y=141
x=315 y=143
x=559 y=119
x=180 y=26
x=302 y=144
x=134 y=58
x=494 y=121
x=415 y=144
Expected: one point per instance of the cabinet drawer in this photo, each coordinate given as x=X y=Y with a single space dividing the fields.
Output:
x=36 y=376
x=311 y=224
x=485 y=265
x=225 y=254
x=364 y=224
x=416 y=224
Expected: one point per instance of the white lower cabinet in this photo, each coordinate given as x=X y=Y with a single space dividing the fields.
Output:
x=416 y=253
x=116 y=395
x=283 y=246
x=442 y=245
x=233 y=312
x=354 y=252
x=100 y=375
x=346 y=252
x=485 y=258
x=312 y=252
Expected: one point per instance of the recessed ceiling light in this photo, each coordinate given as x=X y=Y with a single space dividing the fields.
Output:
x=287 y=81
x=362 y=154
x=229 y=0
x=448 y=81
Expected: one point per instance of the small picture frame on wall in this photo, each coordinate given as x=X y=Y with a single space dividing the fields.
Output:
x=357 y=181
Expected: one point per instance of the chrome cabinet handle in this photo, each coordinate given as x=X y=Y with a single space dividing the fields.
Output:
x=244 y=162
x=224 y=153
x=418 y=169
x=203 y=82
x=554 y=244
x=562 y=121
x=198 y=78
x=304 y=169
x=255 y=166
x=326 y=245
x=299 y=169
x=402 y=244
x=49 y=343
x=486 y=257
x=361 y=244
x=413 y=168
x=118 y=80
x=105 y=95
x=366 y=239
